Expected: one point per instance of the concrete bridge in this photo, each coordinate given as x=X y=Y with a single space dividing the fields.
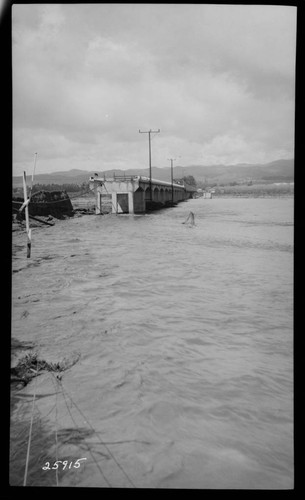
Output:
x=136 y=194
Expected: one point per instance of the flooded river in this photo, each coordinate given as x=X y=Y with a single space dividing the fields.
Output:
x=185 y=343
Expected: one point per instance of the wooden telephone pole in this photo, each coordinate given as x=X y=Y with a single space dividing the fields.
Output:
x=149 y=146
x=172 y=175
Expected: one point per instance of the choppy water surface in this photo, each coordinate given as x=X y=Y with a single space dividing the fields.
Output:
x=186 y=343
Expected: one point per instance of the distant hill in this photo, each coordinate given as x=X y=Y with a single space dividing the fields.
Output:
x=276 y=171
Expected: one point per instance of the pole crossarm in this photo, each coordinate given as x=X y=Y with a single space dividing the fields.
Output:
x=149 y=131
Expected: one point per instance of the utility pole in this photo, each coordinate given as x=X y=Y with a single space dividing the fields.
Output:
x=149 y=145
x=172 y=175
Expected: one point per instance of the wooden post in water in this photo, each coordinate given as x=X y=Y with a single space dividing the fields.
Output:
x=27 y=220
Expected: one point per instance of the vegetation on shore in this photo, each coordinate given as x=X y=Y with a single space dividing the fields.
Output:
x=255 y=190
x=69 y=188
x=246 y=188
x=30 y=366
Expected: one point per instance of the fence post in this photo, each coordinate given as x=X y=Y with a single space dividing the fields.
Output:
x=27 y=220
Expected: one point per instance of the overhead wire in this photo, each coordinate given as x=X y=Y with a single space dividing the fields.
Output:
x=21 y=433
x=94 y=459
x=97 y=433
x=30 y=433
x=66 y=395
x=56 y=437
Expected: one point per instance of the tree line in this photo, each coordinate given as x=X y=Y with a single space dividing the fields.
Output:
x=69 y=187
x=72 y=188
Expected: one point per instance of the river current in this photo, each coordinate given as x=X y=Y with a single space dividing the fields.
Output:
x=185 y=342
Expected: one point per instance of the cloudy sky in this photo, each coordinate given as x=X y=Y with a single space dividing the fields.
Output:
x=217 y=80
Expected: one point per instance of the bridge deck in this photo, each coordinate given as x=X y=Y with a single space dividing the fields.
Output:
x=136 y=194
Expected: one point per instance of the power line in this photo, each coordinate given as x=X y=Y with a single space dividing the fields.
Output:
x=30 y=434
x=88 y=448
x=65 y=393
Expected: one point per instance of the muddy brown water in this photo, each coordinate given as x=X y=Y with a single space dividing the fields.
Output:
x=185 y=376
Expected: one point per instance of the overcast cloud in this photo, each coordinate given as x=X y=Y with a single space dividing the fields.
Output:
x=218 y=80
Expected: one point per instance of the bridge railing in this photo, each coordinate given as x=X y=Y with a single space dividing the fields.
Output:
x=120 y=177
x=115 y=177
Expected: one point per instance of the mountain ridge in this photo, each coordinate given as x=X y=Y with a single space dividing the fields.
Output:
x=277 y=170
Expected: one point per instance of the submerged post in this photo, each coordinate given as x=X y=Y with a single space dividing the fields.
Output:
x=27 y=220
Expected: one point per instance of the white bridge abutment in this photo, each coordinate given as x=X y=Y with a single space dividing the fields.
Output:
x=114 y=203
x=131 y=202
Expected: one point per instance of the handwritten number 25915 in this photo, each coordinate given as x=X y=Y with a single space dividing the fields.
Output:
x=76 y=465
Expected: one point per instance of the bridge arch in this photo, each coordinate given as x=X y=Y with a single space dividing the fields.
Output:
x=147 y=193
x=155 y=196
